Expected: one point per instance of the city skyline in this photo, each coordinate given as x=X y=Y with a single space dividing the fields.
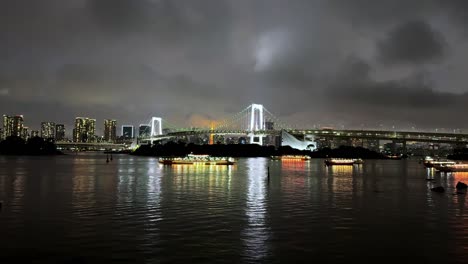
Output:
x=99 y=129
x=311 y=62
x=16 y=125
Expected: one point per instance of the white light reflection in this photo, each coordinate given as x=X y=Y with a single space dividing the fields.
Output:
x=256 y=233
x=126 y=184
x=153 y=203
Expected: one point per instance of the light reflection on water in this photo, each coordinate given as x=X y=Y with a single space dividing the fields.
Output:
x=256 y=232
x=136 y=210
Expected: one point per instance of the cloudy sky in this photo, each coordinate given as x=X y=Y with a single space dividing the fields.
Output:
x=342 y=63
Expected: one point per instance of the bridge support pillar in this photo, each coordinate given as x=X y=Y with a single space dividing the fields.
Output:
x=257 y=123
x=405 y=150
x=394 y=147
x=256 y=139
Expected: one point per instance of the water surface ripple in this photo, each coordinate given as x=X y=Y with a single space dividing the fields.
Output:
x=78 y=209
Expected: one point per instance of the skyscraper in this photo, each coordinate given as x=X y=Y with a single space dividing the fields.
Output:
x=25 y=133
x=13 y=125
x=59 y=132
x=79 y=132
x=110 y=130
x=85 y=129
x=34 y=133
x=144 y=130
x=48 y=130
x=127 y=131
x=91 y=129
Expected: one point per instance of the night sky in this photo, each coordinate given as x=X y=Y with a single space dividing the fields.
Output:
x=342 y=63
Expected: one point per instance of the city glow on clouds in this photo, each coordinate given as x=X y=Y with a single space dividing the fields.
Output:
x=269 y=46
x=328 y=62
x=4 y=92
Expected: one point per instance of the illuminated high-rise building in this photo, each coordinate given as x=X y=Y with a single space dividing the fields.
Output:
x=144 y=130
x=85 y=129
x=91 y=129
x=59 y=132
x=34 y=133
x=7 y=126
x=13 y=126
x=127 y=131
x=48 y=130
x=110 y=130
x=25 y=133
x=79 y=132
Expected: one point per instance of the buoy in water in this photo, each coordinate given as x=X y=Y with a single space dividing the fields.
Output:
x=461 y=186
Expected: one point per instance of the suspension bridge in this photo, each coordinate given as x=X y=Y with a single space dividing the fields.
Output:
x=255 y=123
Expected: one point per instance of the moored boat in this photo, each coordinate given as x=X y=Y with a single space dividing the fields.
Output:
x=430 y=162
x=459 y=167
x=291 y=157
x=193 y=159
x=340 y=161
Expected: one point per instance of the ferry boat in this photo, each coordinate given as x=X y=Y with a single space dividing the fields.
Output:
x=193 y=159
x=291 y=157
x=339 y=161
x=430 y=162
x=458 y=167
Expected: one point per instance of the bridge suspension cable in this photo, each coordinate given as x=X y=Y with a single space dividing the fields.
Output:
x=233 y=122
x=278 y=123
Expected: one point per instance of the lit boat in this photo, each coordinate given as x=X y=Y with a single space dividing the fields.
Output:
x=193 y=159
x=337 y=161
x=430 y=162
x=452 y=167
x=291 y=157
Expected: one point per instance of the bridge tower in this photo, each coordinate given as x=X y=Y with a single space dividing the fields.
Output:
x=257 y=123
x=156 y=126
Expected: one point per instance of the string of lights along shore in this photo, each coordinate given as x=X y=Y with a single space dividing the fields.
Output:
x=84 y=130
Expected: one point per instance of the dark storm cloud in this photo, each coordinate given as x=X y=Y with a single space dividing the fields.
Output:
x=190 y=61
x=456 y=10
x=370 y=13
x=122 y=15
x=406 y=101
x=412 y=42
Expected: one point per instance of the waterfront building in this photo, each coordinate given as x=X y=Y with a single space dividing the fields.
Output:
x=85 y=129
x=48 y=130
x=144 y=130
x=25 y=133
x=13 y=125
x=110 y=130
x=59 y=132
x=34 y=133
x=127 y=131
